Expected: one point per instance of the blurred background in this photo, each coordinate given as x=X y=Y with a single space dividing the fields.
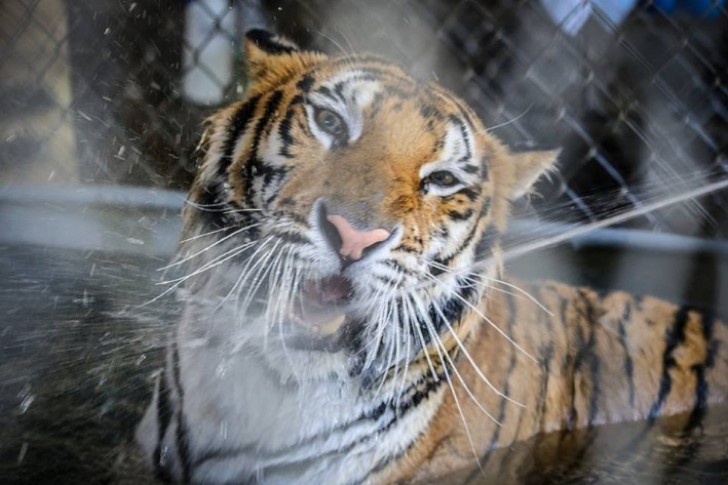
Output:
x=101 y=105
x=636 y=92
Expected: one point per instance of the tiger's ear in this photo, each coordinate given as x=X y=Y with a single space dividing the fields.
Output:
x=528 y=168
x=272 y=59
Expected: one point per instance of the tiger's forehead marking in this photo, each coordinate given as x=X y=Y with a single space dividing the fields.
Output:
x=350 y=85
x=457 y=152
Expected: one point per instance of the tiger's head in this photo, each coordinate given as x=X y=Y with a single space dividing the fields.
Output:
x=338 y=211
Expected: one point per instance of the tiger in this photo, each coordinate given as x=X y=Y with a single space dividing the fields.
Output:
x=344 y=317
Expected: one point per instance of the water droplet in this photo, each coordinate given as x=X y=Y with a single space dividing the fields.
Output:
x=222 y=370
x=23 y=451
x=26 y=402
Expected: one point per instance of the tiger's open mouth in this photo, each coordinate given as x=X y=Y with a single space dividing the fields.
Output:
x=319 y=314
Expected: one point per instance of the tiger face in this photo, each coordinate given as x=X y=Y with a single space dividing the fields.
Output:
x=346 y=202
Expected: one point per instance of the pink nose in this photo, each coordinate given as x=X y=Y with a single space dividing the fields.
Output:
x=354 y=241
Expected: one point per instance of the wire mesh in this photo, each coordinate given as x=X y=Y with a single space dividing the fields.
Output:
x=114 y=91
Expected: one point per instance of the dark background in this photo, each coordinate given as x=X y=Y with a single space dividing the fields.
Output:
x=640 y=109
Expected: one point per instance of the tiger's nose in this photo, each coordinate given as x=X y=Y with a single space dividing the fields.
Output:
x=354 y=241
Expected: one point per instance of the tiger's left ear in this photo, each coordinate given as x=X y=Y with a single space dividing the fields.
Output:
x=271 y=59
x=528 y=168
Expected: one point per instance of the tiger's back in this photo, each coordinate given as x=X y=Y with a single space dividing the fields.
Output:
x=344 y=318
x=600 y=358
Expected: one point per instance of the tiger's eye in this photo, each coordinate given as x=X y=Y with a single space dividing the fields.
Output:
x=443 y=178
x=330 y=122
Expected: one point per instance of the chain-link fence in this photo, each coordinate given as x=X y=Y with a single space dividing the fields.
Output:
x=636 y=93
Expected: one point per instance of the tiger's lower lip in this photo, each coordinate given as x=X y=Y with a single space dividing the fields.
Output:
x=328 y=336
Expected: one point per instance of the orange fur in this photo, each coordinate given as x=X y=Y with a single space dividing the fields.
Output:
x=599 y=359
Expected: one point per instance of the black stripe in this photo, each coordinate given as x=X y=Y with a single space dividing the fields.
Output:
x=484 y=168
x=590 y=354
x=254 y=166
x=707 y=321
x=512 y=312
x=459 y=250
x=182 y=440
x=293 y=237
x=408 y=249
x=484 y=248
x=325 y=91
x=286 y=125
x=466 y=139
x=428 y=111
x=237 y=126
x=339 y=87
x=569 y=364
x=464 y=112
x=385 y=279
x=472 y=193
x=164 y=413
x=628 y=363
x=212 y=192
x=297 y=218
x=674 y=335
x=305 y=83
x=431 y=386
x=269 y=42
x=547 y=353
x=450 y=310
x=460 y=216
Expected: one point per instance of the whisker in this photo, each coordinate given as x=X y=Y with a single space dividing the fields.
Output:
x=488 y=320
x=520 y=290
x=466 y=426
x=219 y=241
x=244 y=273
x=228 y=255
x=418 y=308
x=438 y=341
x=225 y=205
x=183 y=241
x=470 y=359
x=513 y=120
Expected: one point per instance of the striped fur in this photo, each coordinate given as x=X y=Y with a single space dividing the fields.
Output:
x=424 y=365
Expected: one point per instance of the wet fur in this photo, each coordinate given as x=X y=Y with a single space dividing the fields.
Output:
x=234 y=404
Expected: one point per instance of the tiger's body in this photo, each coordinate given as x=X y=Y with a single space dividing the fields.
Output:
x=338 y=324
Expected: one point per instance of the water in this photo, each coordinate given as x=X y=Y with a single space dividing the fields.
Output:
x=76 y=362
x=78 y=353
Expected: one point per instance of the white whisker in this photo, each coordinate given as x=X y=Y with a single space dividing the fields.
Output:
x=471 y=360
x=488 y=320
x=183 y=241
x=219 y=241
x=438 y=341
x=459 y=407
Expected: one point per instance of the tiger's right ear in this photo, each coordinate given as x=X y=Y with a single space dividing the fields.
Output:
x=272 y=59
